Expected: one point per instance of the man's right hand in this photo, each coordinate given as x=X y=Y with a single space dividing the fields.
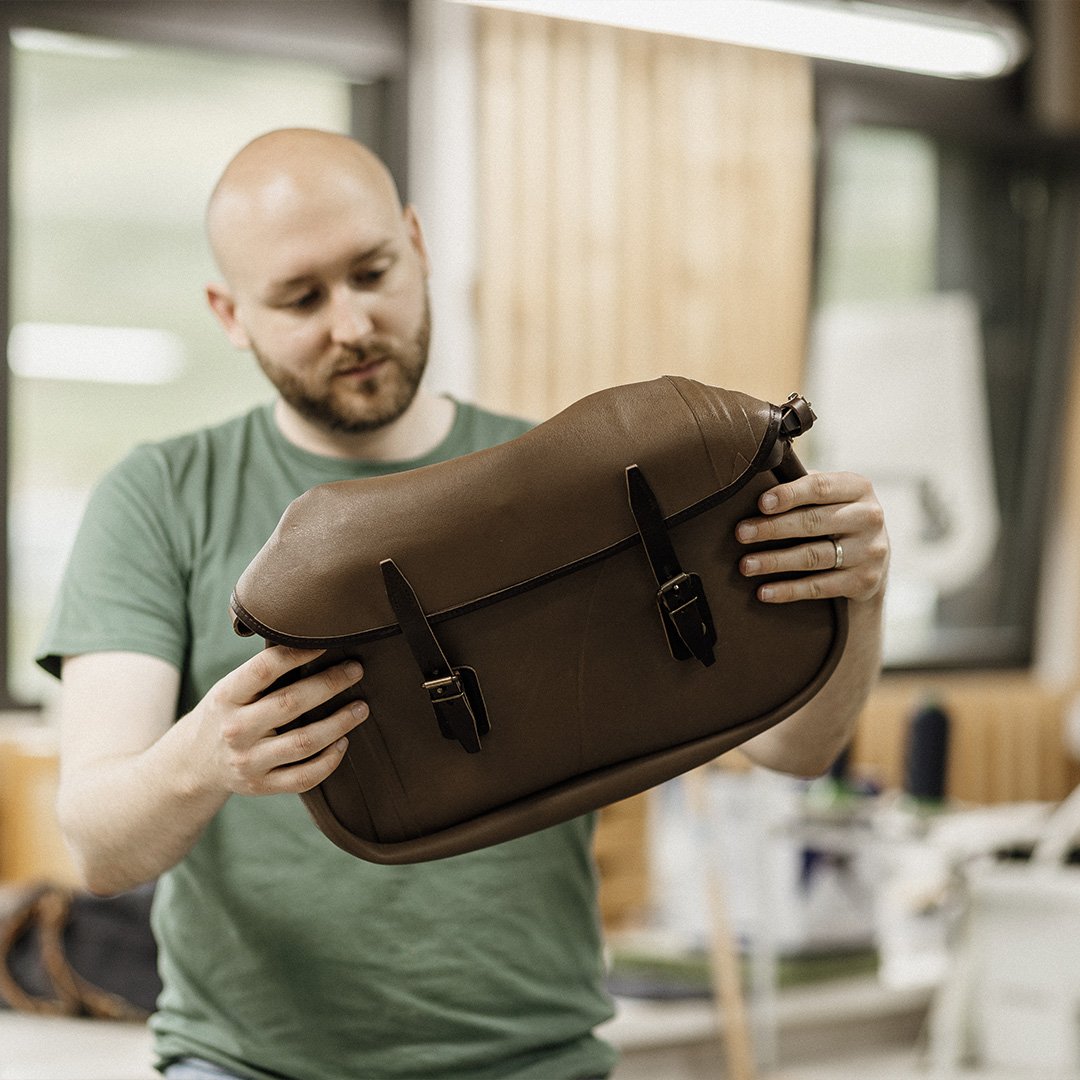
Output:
x=138 y=787
x=240 y=718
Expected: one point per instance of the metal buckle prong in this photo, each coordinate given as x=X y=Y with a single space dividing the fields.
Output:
x=440 y=689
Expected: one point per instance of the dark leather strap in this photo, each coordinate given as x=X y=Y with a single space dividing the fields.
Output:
x=454 y=693
x=684 y=610
x=797 y=417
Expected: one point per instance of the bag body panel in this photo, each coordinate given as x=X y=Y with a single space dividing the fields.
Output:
x=568 y=799
x=576 y=706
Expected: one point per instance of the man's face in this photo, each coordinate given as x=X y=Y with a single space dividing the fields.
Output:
x=332 y=299
x=362 y=388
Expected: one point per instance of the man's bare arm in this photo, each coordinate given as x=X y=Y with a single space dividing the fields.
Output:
x=819 y=508
x=137 y=790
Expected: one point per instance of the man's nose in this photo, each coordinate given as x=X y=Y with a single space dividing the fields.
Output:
x=350 y=320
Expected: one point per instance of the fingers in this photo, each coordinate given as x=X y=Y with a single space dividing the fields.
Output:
x=820 y=504
x=811 y=558
x=250 y=681
x=825 y=511
x=246 y=710
x=250 y=686
x=307 y=740
x=302 y=758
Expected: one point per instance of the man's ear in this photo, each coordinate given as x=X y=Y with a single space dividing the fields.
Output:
x=416 y=237
x=224 y=307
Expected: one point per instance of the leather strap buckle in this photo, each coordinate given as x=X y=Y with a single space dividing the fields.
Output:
x=687 y=619
x=684 y=608
x=454 y=692
x=459 y=707
x=444 y=689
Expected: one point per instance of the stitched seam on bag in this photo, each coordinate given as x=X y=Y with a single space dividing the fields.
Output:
x=701 y=433
x=579 y=692
x=397 y=795
x=378 y=633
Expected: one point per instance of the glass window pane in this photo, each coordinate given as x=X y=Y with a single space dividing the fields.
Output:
x=939 y=343
x=115 y=147
x=879 y=217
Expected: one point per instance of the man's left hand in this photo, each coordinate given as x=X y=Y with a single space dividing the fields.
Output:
x=844 y=549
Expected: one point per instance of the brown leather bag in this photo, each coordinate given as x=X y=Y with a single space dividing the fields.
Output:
x=547 y=626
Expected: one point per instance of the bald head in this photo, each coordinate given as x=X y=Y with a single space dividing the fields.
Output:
x=283 y=182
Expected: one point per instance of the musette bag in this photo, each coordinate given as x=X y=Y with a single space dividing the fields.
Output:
x=546 y=626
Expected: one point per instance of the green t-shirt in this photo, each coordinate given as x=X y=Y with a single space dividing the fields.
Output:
x=281 y=955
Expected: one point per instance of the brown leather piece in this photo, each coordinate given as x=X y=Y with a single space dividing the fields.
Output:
x=526 y=560
x=45 y=912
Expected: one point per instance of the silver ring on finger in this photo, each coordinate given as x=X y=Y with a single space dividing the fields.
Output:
x=838 y=550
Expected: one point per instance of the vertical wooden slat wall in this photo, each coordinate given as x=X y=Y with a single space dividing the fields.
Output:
x=1006 y=741
x=644 y=207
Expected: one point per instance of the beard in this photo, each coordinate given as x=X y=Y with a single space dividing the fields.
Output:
x=365 y=406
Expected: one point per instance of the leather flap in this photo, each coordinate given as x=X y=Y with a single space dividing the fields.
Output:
x=465 y=529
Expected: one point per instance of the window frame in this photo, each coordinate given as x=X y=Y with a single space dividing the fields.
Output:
x=983 y=118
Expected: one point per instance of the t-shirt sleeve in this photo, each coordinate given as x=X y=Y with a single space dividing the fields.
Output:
x=124 y=587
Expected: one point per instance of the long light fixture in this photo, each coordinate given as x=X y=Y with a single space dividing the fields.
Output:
x=32 y=39
x=974 y=40
x=111 y=354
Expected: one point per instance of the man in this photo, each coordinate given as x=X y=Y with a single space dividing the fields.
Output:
x=282 y=956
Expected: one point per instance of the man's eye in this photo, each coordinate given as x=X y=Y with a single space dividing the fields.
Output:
x=369 y=276
x=308 y=300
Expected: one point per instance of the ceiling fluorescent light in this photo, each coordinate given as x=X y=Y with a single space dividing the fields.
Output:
x=968 y=41
x=33 y=39
x=109 y=354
